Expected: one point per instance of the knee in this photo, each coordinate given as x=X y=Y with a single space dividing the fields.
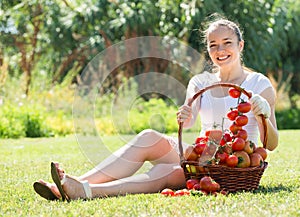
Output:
x=148 y=133
x=149 y=136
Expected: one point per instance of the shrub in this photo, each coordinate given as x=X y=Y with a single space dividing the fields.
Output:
x=288 y=119
x=21 y=121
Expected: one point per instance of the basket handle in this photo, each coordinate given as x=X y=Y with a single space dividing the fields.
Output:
x=200 y=92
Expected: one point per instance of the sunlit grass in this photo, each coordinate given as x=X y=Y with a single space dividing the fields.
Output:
x=25 y=160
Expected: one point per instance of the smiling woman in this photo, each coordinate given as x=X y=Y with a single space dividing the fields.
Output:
x=117 y=174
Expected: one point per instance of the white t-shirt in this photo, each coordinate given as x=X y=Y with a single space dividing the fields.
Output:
x=213 y=110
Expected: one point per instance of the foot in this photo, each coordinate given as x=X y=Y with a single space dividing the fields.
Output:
x=74 y=188
x=52 y=187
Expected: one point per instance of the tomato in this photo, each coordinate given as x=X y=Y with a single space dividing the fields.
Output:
x=241 y=120
x=222 y=142
x=208 y=184
x=243 y=159
x=262 y=151
x=242 y=134
x=256 y=160
x=238 y=144
x=224 y=192
x=232 y=114
x=197 y=187
x=214 y=134
x=234 y=93
x=181 y=192
x=167 y=192
x=234 y=128
x=190 y=154
x=191 y=183
x=249 y=147
x=227 y=148
x=201 y=139
x=232 y=161
x=199 y=147
x=222 y=156
x=244 y=107
x=227 y=137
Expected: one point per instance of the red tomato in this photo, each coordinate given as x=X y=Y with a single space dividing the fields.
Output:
x=201 y=139
x=244 y=107
x=234 y=128
x=242 y=134
x=167 y=192
x=197 y=187
x=238 y=144
x=199 y=147
x=222 y=142
x=262 y=151
x=234 y=93
x=191 y=183
x=214 y=134
x=241 y=120
x=227 y=137
x=181 y=192
x=232 y=114
x=222 y=156
x=208 y=184
x=227 y=148
x=256 y=160
x=232 y=161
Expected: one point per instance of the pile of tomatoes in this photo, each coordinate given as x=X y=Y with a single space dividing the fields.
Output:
x=229 y=147
x=205 y=186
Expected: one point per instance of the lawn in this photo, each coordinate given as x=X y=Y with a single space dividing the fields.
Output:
x=25 y=160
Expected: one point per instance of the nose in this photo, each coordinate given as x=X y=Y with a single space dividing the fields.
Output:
x=220 y=48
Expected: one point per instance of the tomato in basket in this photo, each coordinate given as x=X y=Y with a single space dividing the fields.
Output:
x=262 y=151
x=232 y=161
x=200 y=147
x=238 y=144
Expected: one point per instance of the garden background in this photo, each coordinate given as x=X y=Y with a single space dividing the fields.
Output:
x=45 y=46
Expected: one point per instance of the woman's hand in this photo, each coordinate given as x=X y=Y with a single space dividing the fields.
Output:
x=184 y=113
x=260 y=106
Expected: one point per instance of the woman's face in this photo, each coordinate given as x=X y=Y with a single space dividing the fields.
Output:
x=223 y=46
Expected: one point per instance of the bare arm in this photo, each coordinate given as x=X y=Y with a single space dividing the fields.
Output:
x=272 y=142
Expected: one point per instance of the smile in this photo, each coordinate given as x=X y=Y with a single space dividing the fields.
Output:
x=223 y=58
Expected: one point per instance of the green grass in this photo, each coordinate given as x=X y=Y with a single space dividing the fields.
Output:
x=25 y=160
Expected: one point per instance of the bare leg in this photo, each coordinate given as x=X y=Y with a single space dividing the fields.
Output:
x=158 y=178
x=148 y=145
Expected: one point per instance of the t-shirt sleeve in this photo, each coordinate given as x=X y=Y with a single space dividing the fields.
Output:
x=259 y=83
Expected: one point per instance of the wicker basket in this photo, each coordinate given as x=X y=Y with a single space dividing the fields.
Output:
x=230 y=179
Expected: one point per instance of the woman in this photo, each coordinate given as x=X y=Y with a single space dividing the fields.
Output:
x=116 y=175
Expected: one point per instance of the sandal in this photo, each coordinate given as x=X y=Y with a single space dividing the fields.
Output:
x=59 y=183
x=44 y=191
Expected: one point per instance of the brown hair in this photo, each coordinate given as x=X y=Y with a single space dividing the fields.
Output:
x=216 y=21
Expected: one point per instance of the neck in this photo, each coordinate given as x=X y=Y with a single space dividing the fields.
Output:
x=232 y=75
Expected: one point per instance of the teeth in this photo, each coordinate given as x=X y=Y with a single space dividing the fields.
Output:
x=223 y=58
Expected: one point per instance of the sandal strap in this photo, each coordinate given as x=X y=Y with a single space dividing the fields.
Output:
x=87 y=189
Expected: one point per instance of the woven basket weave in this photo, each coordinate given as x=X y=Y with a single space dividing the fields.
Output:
x=230 y=179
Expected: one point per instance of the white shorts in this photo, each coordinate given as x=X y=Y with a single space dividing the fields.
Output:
x=174 y=143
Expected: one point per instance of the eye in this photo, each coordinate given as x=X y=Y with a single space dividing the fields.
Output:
x=212 y=45
x=228 y=42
